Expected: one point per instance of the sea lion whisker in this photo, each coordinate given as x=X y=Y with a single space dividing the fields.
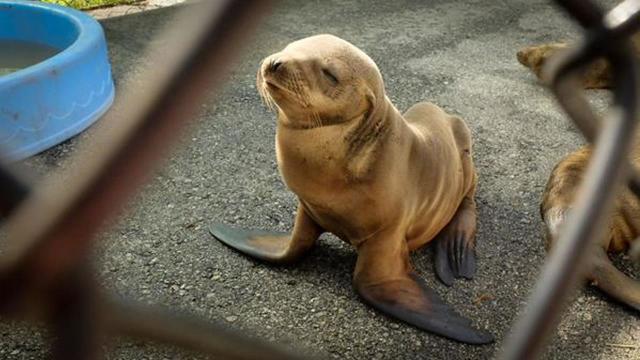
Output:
x=264 y=94
x=297 y=89
x=304 y=95
x=318 y=119
x=289 y=88
x=261 y=91
x=266 y=98
x=263 y=97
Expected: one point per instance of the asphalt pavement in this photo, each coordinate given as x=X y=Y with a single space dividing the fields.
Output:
x=460 y=55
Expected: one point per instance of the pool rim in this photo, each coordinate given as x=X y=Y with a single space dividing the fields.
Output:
x=88 y=30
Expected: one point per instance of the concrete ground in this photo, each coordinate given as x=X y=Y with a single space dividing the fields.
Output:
x=458 y=54
x=121 y=10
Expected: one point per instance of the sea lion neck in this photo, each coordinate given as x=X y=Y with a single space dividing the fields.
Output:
x=350 y=148
x=310 y=123
x=372 y=128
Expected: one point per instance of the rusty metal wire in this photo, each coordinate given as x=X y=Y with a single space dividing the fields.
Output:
x=50 y=228
x=606 y=36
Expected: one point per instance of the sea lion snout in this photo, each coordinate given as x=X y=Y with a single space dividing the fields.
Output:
x=523 y=56
x=274 y=65
x=282 y=71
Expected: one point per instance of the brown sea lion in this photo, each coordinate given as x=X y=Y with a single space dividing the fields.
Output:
x=596 y=76
x=385 y=182
x=624 y=225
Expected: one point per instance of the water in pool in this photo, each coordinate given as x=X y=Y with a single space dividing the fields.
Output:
x=15 y=55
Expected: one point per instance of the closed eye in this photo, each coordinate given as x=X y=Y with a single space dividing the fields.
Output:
x=332 y=78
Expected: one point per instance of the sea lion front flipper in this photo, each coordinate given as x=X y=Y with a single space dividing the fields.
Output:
x=384 y=279
x=614 y=282
x=271 y=246
x=455 y=245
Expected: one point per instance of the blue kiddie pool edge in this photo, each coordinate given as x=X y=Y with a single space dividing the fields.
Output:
x=54 y=100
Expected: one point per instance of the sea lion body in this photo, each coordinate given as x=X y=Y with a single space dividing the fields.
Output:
x=417 y=175
x=383 y=181
x=623 y=227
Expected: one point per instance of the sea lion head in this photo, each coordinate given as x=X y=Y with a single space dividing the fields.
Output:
x=320 y=80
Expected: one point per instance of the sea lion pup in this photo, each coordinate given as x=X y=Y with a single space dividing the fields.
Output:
x=385 y=182
x=596 y=76
x=624 y=225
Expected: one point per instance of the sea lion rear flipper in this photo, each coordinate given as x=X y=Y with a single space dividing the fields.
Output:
x=614 y=282
x=271 y=246
x=455 y=245
x=454 y=258
x=410 y=300
x=384 y=279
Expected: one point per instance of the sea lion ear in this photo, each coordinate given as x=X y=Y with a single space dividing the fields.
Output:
x=371 y=105
x=371 y=98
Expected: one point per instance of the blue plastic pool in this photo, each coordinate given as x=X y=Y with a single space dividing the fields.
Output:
x=48 y=102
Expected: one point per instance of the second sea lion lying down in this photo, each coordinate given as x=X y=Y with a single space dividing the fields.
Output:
x=385 y=182
x=565 y=180
x=596 y=76
x=624 y=226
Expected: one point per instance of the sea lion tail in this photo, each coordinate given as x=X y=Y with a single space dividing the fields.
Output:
x=614 y=282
